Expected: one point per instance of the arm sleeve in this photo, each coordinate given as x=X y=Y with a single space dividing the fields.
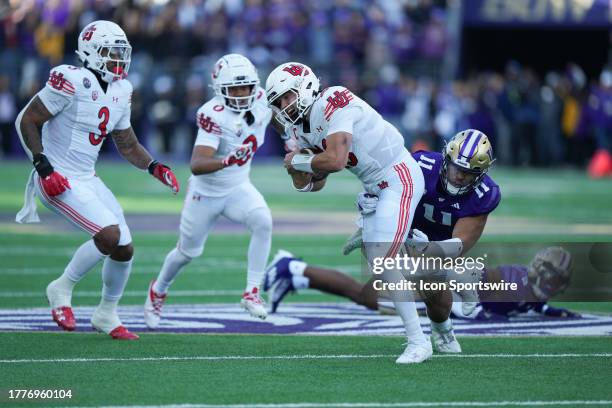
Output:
x=343 y=120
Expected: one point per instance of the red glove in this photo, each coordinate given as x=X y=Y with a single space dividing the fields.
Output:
x=239 y=156
x=55 y=184
x=52 y=182
x=164 y=174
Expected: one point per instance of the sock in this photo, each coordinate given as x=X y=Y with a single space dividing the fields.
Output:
x=254 y=279
x=83 y=260
x=108 y=306
x=442 y=326
x=297 y=267
x=408 y=312
x=115 y=275
x=174 y=262
x=300 y=282
x=259 y=222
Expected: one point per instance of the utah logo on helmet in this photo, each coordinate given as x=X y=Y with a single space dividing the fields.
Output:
x=470 y=153
x=103 y=47
x=292 y=77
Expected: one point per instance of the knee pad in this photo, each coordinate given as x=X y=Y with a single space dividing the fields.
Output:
x=185 y=255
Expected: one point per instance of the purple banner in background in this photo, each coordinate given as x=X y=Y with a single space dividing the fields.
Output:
x=544 y=13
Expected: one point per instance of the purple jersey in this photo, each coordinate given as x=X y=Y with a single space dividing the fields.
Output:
x=438 y=211
x=513 y=274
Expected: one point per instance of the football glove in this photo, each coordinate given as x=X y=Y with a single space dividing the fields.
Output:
x=366 y=203
x=52 y=181
x=240 y=156
x=164 y=174
x=417 y=240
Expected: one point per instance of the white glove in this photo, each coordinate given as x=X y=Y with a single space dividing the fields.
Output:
x=417 y=240
x=366 y=203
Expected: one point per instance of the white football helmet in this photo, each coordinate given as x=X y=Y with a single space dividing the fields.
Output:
x=292 y=77
x=104 y=48
x=235 y=70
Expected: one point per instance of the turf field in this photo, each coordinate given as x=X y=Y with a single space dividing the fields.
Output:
x=273 y=370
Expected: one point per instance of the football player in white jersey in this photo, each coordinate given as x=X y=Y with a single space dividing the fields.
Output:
x=62 y=129
x=344 y=131
x=232 y=127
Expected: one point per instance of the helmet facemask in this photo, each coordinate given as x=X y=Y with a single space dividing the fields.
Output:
x=291 y=114
x=476 y=176
x=238 y=103
x=114 y=62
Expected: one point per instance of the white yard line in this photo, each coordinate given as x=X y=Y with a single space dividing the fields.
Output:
x=294 y=357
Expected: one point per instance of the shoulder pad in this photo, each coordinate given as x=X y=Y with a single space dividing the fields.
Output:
x=63 y=79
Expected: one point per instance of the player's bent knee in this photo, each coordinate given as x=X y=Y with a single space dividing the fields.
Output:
x=107 y=239
x=260 y=220
x=123 y=253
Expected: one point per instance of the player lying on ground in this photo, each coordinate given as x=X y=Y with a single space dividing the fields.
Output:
x=232 y=126
x=547 y=275
x=75 y=112
x=453 y=212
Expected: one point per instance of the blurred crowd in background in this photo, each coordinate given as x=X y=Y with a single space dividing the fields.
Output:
x=390 y=53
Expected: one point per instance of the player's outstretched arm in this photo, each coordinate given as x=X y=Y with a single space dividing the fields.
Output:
x=469 y=230
x=129 y=147
x=203 y=162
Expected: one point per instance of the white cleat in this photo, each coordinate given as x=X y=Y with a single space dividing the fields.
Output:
x=153 y=306
x=58 y=297
x=445 y=341
x=254 y=304
x=415 y=353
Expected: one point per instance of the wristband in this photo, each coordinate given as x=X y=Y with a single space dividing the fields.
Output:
x=302 y=162
x=42 y=165
x=151 y=166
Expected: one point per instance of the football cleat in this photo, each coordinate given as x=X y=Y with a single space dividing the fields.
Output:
x=353 y=242
x=281 y=288
x=61 y=310
x=153 y=306
x=121 y=333
x=278 y=268
x=415 y=353
x=445 y=341
x=111 y=325
x=254 y=304
x=64 y=317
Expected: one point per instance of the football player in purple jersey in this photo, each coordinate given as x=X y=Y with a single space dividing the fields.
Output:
x=449 y=220
x=548 y=274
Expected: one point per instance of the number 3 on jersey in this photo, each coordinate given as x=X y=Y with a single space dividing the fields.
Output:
x=103 y=114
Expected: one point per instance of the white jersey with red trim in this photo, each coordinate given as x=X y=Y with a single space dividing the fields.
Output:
x=376 y=144
x=84 y=115
x=224 y=130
